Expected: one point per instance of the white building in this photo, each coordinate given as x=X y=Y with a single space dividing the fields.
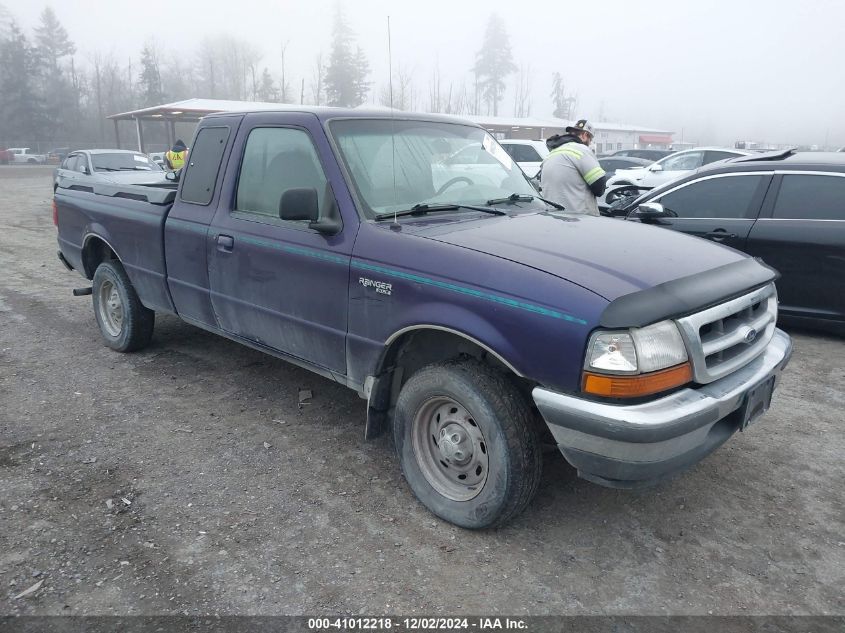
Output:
x=610 y=137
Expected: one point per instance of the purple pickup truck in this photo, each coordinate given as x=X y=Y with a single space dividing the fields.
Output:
x=410 y=259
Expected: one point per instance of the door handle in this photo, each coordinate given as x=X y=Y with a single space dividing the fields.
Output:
x=719 y=235
x=225 y=243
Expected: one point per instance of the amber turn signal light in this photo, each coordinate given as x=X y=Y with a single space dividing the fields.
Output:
x=637 y=385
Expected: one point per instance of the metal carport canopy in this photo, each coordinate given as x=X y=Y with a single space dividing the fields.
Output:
x=187 y=111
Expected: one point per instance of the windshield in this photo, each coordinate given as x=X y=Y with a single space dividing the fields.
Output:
x=123 y=162
x=395 y=165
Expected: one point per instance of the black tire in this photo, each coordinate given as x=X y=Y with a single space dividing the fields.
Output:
x=510 y=436
x=137 y=322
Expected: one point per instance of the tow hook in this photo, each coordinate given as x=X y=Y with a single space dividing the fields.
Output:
x=82 y=292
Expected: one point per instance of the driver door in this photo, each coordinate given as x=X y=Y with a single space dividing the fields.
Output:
x=276 y=282
x=720 y=208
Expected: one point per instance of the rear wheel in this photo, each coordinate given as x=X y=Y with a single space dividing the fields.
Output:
x=125 y=324
x=467 y=443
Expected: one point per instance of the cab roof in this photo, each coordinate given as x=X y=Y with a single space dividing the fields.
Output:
x=327 y=113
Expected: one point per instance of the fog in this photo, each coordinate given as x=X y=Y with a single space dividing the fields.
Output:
x=711 y=72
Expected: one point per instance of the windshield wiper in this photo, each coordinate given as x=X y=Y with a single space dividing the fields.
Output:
x=524 y=197
x=422 y=209
x=514 y=197
x=557 y=206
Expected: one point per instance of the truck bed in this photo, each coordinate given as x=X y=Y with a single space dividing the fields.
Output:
x=130 y=220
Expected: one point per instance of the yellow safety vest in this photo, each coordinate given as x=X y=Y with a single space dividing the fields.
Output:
x=176 y=159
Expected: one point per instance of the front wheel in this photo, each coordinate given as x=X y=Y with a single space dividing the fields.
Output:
x=125 y=324
x=467 y=443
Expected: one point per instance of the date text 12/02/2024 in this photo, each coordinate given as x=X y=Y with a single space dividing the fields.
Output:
x=416 y=624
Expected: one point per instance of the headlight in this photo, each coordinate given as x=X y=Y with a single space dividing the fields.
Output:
x=636 y=362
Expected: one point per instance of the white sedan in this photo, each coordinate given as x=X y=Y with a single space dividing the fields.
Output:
x=528 y=155
x=673 y=166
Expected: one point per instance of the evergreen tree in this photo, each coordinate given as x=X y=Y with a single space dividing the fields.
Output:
x=493 y=63
x=346 y=75
x=5 y=22
x=267 y=90
x=55 y=89
x=564 y=104
x=150 y=79
x=52 y=42
x=20 y=112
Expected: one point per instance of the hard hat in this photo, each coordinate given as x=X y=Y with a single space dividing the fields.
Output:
x=582 y=125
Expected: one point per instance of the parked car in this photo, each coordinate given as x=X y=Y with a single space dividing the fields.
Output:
x=649 y=154
x=674 y=166
x=787 y=208
x=612 y=164
x=471 y=315
x=23 y=155
x=664 y=170
x=528 y=155
x=108 y=165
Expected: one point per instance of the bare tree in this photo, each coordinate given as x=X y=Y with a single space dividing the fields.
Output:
x=318 y=88
x=225 y=66
x=522 y=93
x=404 y=93
x=284 y=85
x=435 y=103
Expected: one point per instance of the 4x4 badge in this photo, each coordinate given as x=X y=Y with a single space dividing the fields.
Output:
x=381 y=287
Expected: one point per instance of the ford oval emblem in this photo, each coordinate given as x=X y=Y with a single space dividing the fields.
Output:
x=750 y=335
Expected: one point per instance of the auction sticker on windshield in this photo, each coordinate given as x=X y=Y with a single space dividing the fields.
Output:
x=496 y=150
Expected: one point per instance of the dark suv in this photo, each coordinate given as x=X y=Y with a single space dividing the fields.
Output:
x=787 y=208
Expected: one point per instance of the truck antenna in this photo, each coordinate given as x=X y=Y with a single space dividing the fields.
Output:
x=392 y=120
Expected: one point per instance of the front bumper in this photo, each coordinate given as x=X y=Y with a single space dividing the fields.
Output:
x=630 y=446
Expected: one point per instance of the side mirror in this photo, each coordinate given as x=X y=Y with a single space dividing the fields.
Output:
x=85 y=170
x=651 y=212
x=299 y=204
x=656 y=167
x=173 y=176
x=302 y=204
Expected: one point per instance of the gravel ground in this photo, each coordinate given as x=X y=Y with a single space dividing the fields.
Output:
x=186 y=479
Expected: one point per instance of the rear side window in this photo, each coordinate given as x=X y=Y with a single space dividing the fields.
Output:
x=811 y=198
x=725 y=197
x=204 y=159
x=275 y=160
x=713 y=156
x=683 y=162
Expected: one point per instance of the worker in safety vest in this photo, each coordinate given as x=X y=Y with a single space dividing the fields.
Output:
x=571 y=174
x=175 y=157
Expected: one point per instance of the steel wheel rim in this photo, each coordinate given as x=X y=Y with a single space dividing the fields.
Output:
x=450 y=449
x=111 y=308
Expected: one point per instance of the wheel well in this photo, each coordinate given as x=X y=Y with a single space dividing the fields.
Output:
x=94 y=253
x=414 y=350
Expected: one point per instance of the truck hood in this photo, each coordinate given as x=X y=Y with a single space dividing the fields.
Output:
x=607 y=256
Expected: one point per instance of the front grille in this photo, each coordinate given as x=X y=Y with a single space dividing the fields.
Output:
x=725 y=337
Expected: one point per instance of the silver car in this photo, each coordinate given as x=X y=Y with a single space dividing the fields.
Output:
x=114 y=166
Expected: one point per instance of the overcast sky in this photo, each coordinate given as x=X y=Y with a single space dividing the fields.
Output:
x=718 y=71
